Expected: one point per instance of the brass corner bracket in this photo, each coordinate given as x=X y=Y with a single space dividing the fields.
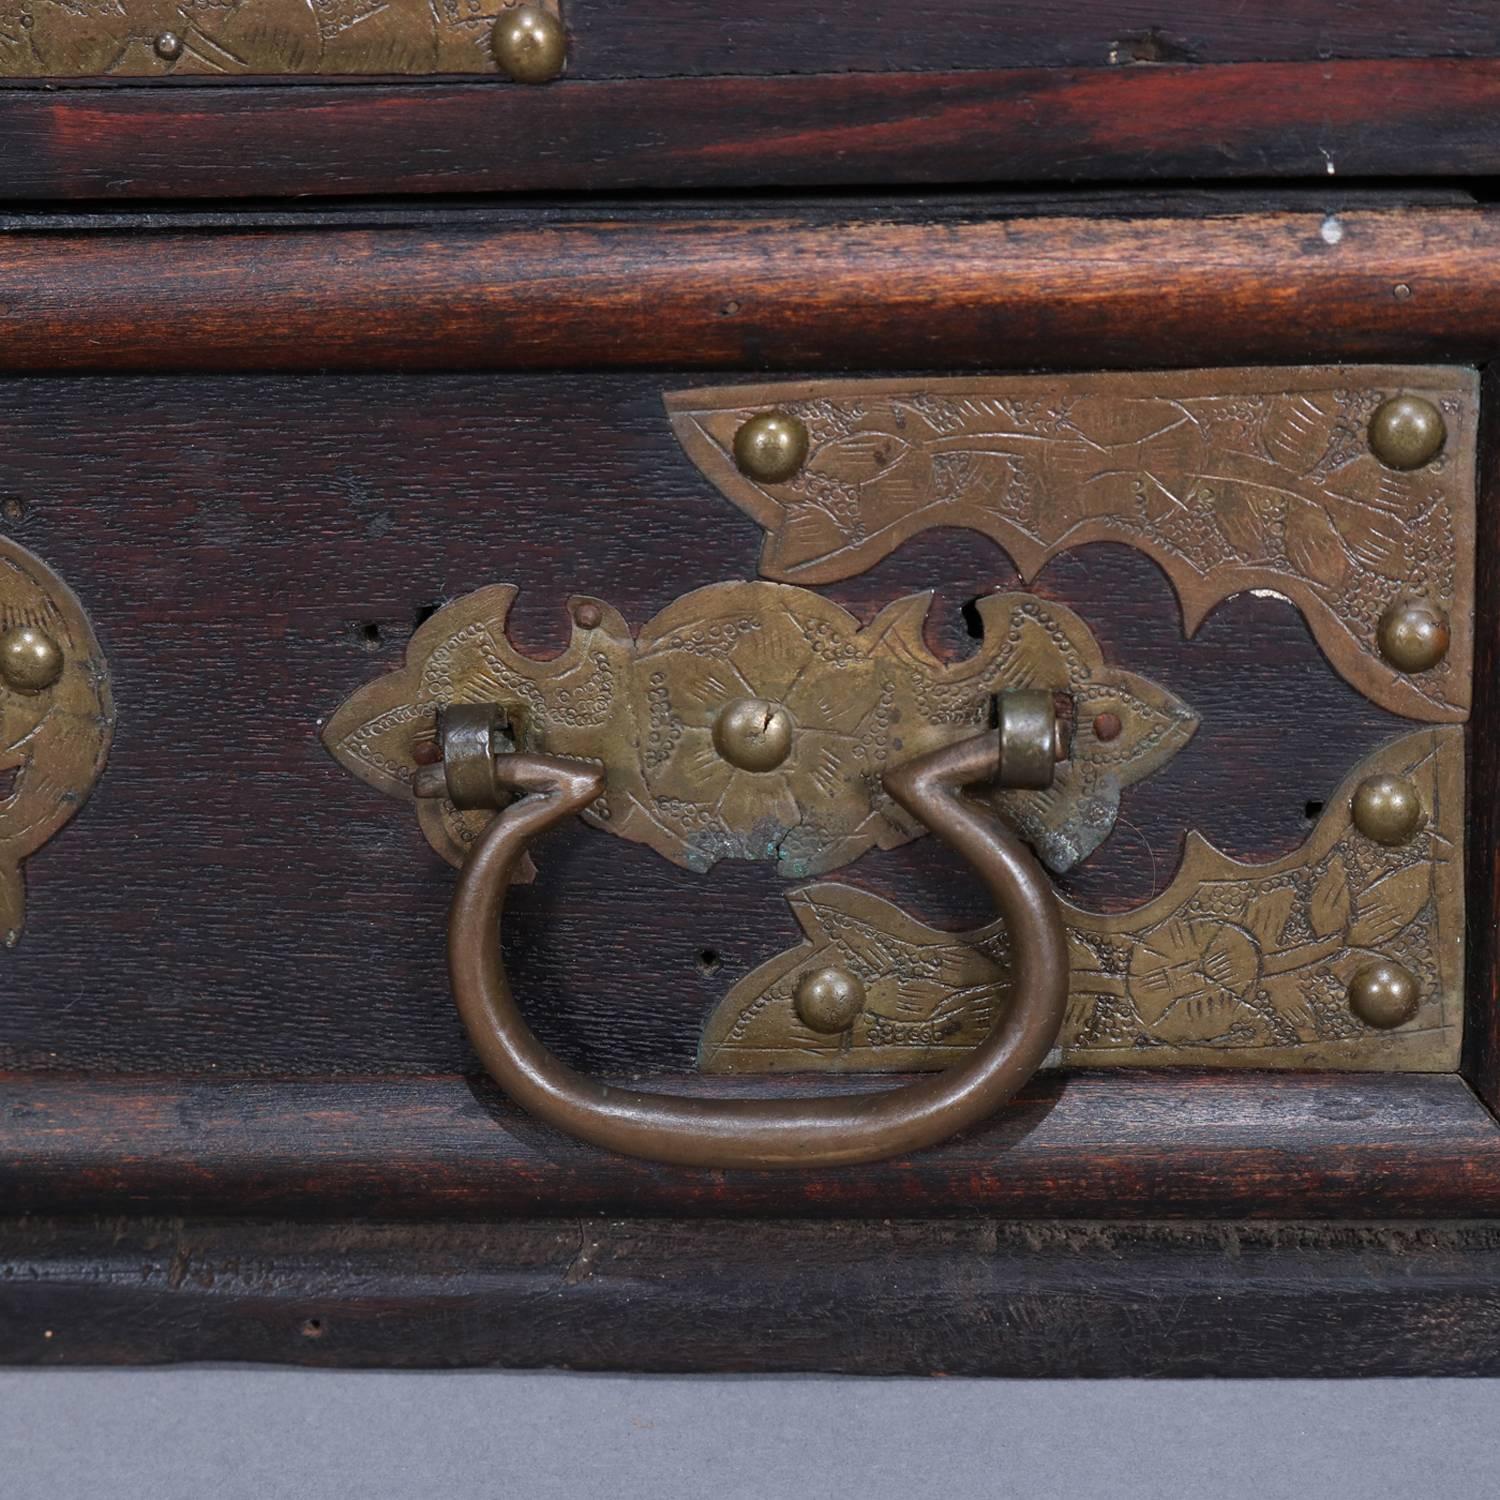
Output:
x=1350 y=490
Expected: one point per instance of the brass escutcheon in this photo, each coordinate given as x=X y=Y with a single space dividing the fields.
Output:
x=755 y=720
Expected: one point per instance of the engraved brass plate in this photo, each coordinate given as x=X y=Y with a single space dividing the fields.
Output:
x=186 y=38
x=56 y=717
x=754 y=720
x=1229 y=479
x=1233 y=965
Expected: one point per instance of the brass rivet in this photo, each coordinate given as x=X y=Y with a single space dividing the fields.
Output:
x=770 y=447
x=1407 y=432
x=30 y=661
x=1383 y=994
x=828 y=1000
x=753 y=734
x=1413 y=635
x=1107 y=727
x=1386 y=809
x=588 y=617
x=530 y=44
x=168 y=46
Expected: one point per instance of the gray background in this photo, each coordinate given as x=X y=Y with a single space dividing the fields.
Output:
x=205 y=1433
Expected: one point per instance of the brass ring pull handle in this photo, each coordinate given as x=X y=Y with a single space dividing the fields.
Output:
x=820 y=1132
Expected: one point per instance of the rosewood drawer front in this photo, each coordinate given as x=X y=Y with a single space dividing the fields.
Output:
x=958 y=792
x=1244 y=599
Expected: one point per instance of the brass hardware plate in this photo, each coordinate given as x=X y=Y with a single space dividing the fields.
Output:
x=754 y=720
x=180 y=38
x=1234 y=964
x=56 y=717
x=1229 y=479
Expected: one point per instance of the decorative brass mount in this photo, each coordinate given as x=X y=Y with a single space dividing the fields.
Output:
x=1347 y=954
x=56 y=717
x=755 y=720
x=1349 y=490
x=184 y=39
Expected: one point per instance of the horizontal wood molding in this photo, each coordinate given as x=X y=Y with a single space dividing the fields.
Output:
x=1385 y=117
x=1089 y=1145
x=784 y=291
x=969 y=1297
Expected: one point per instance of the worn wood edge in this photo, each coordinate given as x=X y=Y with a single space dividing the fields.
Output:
x=1385 y=118
x=955 y=1297
x=1481 y=1052
x=695 y=292
x=1079 y=1145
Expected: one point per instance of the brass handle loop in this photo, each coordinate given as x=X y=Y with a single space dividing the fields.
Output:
x=822 y=1132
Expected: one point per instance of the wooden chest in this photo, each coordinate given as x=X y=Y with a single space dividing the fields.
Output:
x=627 y=475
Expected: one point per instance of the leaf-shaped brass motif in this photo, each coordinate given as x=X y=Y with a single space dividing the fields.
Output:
x=1232 y=965
x=858 y=698
x=1229 y=479
x=53 y=743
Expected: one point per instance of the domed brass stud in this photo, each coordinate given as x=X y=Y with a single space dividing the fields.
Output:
x=530 y=44
x=828 y=1000
x=770 y=447
x=1384 y=995
x=753 y=734
x=168 y=46
x=1386 y=809
x=1413 y=635
x=1407 y=432
x=30 y=660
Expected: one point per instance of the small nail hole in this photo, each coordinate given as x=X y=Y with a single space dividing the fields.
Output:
x=1312 y=810
x=313 y=1328
x=368 y=634
x=709 y=962
x=13 y=508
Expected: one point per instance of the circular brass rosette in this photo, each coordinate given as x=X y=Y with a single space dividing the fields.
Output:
x=56 y=717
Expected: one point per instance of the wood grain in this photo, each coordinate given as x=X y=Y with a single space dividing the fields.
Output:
x=1086 y=1145
x=784 y=290
x=1380 y=118
x=955 y=1297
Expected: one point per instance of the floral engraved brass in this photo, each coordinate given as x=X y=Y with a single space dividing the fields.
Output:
x=187 y=38
x=1229 y=479
x=56 y=717
x=754 y=720
x=1233 y=965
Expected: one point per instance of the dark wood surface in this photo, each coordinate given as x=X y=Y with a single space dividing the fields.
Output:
x=252 y=549
x=971 y=286
x=1481 y=1061
x=1114 y=1145
x=955 y=1298
x=1380 y=118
